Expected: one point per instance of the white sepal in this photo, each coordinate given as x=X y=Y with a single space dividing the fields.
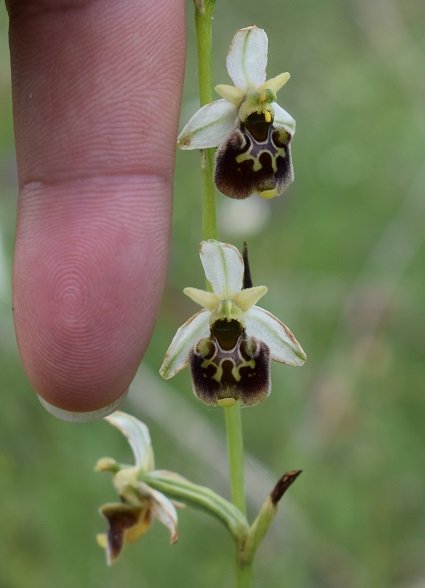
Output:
x=137 y=434
x=210 y=126
x=266 y=327
x=223 y=266
x=247 y=58
x=177 y=356
x=283 y=118
x=164 y=510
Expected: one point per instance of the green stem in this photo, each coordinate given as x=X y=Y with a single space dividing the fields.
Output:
x=203 y=17
x=244 y=577
x=235 y=453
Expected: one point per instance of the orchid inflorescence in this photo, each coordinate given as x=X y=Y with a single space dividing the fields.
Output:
x=230 y=342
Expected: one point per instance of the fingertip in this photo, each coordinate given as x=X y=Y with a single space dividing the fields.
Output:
x=89 y=270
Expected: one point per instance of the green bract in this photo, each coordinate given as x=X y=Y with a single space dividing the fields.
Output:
x=229 y=344
x=252 y=131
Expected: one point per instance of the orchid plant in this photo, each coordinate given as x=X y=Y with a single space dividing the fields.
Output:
x=230 y=342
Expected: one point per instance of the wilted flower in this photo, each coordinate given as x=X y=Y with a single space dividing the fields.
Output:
x=252 y=131
x=229 y=344
x=131 y=518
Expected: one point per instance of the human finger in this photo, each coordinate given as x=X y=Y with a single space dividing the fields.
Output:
x=96 y=91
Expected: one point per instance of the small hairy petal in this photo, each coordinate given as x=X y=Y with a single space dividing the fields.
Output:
x=230 y=93
x=276 y=83
x=209 y=126
x=177 y=356
x=223 y=266
x=249 y=296
x=278 y=338
x=247 y=58
x=208 y=300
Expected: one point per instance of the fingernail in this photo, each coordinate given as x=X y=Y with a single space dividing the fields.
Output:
x=82 y=417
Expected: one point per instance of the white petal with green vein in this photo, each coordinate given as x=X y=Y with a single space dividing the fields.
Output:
x=163 y=509
x=247 y=58
x=283 y=118
x=223 y=266
x=209 y=126
x=282 y=344
x=177 y=356
x=137 y=435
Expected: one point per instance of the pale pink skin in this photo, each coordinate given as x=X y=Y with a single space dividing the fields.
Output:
x=96 y=90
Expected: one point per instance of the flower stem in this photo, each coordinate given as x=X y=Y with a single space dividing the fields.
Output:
x=204 y=498
x=203 y=17
x=244 y=577
x=235 y=453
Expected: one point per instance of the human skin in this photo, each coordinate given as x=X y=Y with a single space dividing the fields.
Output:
x=96 y=97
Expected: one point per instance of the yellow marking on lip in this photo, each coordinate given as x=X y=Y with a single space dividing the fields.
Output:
x=226 y=402
x=268 y=194
x=247 y=157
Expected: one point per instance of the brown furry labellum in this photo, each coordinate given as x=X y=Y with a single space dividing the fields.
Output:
x=255 y=158
x=229 y=364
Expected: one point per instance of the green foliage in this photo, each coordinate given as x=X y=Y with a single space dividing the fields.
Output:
x=342 y=254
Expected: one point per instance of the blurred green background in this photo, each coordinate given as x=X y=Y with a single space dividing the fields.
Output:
x=342 y=253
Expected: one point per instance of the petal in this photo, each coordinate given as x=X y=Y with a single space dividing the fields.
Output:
x=125 y=524
x=230 y=93
x=248 y=297
x=255 y=158
x=247 y=58
x=278 y=338
x=164 y=510
x=223 y=266
x=276 y=83
x=283 y=118
x=107 y=464
x=208 y=300
x=240 y=372
x=209 y=126
x=137 y=435
x=177 y=356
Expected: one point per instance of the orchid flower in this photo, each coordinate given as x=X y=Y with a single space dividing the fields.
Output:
x=251 y=130
x=131 y=518
x=229 y=344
